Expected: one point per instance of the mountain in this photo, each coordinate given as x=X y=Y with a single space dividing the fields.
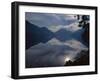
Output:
x=47 y=49
x=71 y=27
x=35 y=34
x=63 y=35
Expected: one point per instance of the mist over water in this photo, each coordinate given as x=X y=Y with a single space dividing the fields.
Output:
x=66 y=43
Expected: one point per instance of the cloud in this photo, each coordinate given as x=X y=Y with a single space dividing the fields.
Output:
x=52 y=53
x=47 y=55
x=49 y=19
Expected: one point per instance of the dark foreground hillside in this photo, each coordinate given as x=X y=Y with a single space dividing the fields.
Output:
x=82 y=59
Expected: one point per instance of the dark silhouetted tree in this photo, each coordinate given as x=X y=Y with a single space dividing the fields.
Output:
x=84 y=21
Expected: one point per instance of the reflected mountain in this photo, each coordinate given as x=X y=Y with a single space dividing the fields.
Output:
x=35 y=35
x=45 y=48
x=63 y=35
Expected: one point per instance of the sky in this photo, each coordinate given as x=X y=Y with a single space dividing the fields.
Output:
x=49 y=19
